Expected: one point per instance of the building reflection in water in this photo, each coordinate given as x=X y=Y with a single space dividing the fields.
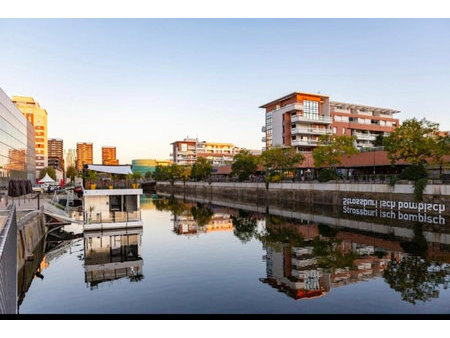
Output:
x=111 y=255
x=308 y=260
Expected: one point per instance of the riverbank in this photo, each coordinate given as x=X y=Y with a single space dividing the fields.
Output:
x=436 y=198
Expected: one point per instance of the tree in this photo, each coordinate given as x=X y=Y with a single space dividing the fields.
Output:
x=47 y=170
x=331 y=149
x=161 y=173
x=201 y=169
x=415 y=142
x=378 y=140
x=280 y=160
x=148 y=175
x=244 y=164
x=441 y=148
x=175 y=172
x=136 y=176
x=71 y=173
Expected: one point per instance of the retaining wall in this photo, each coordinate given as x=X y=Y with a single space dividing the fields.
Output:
x=436 y=198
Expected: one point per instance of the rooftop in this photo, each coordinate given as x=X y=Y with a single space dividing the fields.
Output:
x=292 y=94
x=361 y=106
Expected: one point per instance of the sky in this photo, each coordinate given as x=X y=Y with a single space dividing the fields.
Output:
x=140 y=84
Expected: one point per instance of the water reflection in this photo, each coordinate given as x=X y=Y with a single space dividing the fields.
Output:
x=312 y=259
x=111 y=255
x=306 y=259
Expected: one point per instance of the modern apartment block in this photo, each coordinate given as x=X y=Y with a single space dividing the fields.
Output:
x=56 y=153
x=187 y=151
x=38 y=118
x=109 y=156
x=363 y=122
x=17 y=157
x=298 y=119
x=84 y=154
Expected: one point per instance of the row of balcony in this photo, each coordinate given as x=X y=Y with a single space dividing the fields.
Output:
x=304 y=143
x=312 y=131
x=312 y=118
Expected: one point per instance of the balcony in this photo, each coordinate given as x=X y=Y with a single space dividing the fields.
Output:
x=263 y=139
x=308 y=143
x=288 y=108
x=311 y=131
x=113 y=217
x=263 y=129
x=311 y=118
x=362 y=136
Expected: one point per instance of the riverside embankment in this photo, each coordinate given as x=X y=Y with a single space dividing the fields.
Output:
x=400 y=198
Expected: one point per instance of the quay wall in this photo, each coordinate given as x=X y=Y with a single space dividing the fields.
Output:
x=436 y=198
x=31 y=230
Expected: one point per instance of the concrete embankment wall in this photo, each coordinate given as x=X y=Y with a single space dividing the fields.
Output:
x=436 y=198
x=31 y=231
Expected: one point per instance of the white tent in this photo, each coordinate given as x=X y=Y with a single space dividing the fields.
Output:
x=47 y=179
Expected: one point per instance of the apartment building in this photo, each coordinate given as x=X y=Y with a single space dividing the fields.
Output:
x=109 y=156
x=187 y=151
x=56 y=153
x=298 y=119
x=84 y=154
x=37 y=116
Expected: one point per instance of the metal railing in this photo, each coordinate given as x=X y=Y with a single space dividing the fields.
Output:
x=112 y=216
x=8 y=262
x=111 y=184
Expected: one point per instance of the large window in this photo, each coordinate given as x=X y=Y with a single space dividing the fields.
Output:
x=269 y=129
x=311 y=109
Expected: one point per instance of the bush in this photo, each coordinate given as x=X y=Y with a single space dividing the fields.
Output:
x=393 y=180
x=326 y=175
x=414 y=173
x=419 y=187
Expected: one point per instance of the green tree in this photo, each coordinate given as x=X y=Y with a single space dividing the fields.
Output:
x=279 y=160
x=148 y=175
x=331 y=149
x=202 y=214
x=47 y=170
x=201 y=169
x=136 y=176
x=161 y=173
x=71 y=173
x=441 y=148
x=175 y=172
x=415 y=142
x=244 y=164
x=378 y=140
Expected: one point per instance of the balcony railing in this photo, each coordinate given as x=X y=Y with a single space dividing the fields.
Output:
x=304 y=143
x=315 y=131
x=112 y=217
x=110 y=184
x=362 y=136
x=311 y=118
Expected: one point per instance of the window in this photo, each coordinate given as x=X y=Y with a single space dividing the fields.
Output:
x=311 y=109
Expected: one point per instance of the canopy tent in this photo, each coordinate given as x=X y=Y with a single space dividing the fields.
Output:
x=111 y=169
x=47 y=179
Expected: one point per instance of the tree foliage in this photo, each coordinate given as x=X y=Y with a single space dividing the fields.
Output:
x=332 y=148
x=47 y=170
x=416 y=142
x=202 y=169
x=161 y=173
x=280 y=160
x=148 y=175
x=244 y=164
x=71 y=173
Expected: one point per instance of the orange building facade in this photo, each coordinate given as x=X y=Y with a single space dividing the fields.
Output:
x=109 y=156
x=298 y=119
x=84 y=154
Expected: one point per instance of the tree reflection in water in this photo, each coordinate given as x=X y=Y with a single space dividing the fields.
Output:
x=244 y=226
x=417 y=277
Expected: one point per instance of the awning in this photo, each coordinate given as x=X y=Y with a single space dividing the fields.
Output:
x=111 y=169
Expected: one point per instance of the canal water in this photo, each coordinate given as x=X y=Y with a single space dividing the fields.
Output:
x=196 y=257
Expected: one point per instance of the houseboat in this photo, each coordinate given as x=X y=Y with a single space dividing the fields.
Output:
x=110 y=198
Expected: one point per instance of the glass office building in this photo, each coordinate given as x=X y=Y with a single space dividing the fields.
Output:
x=17 y=154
